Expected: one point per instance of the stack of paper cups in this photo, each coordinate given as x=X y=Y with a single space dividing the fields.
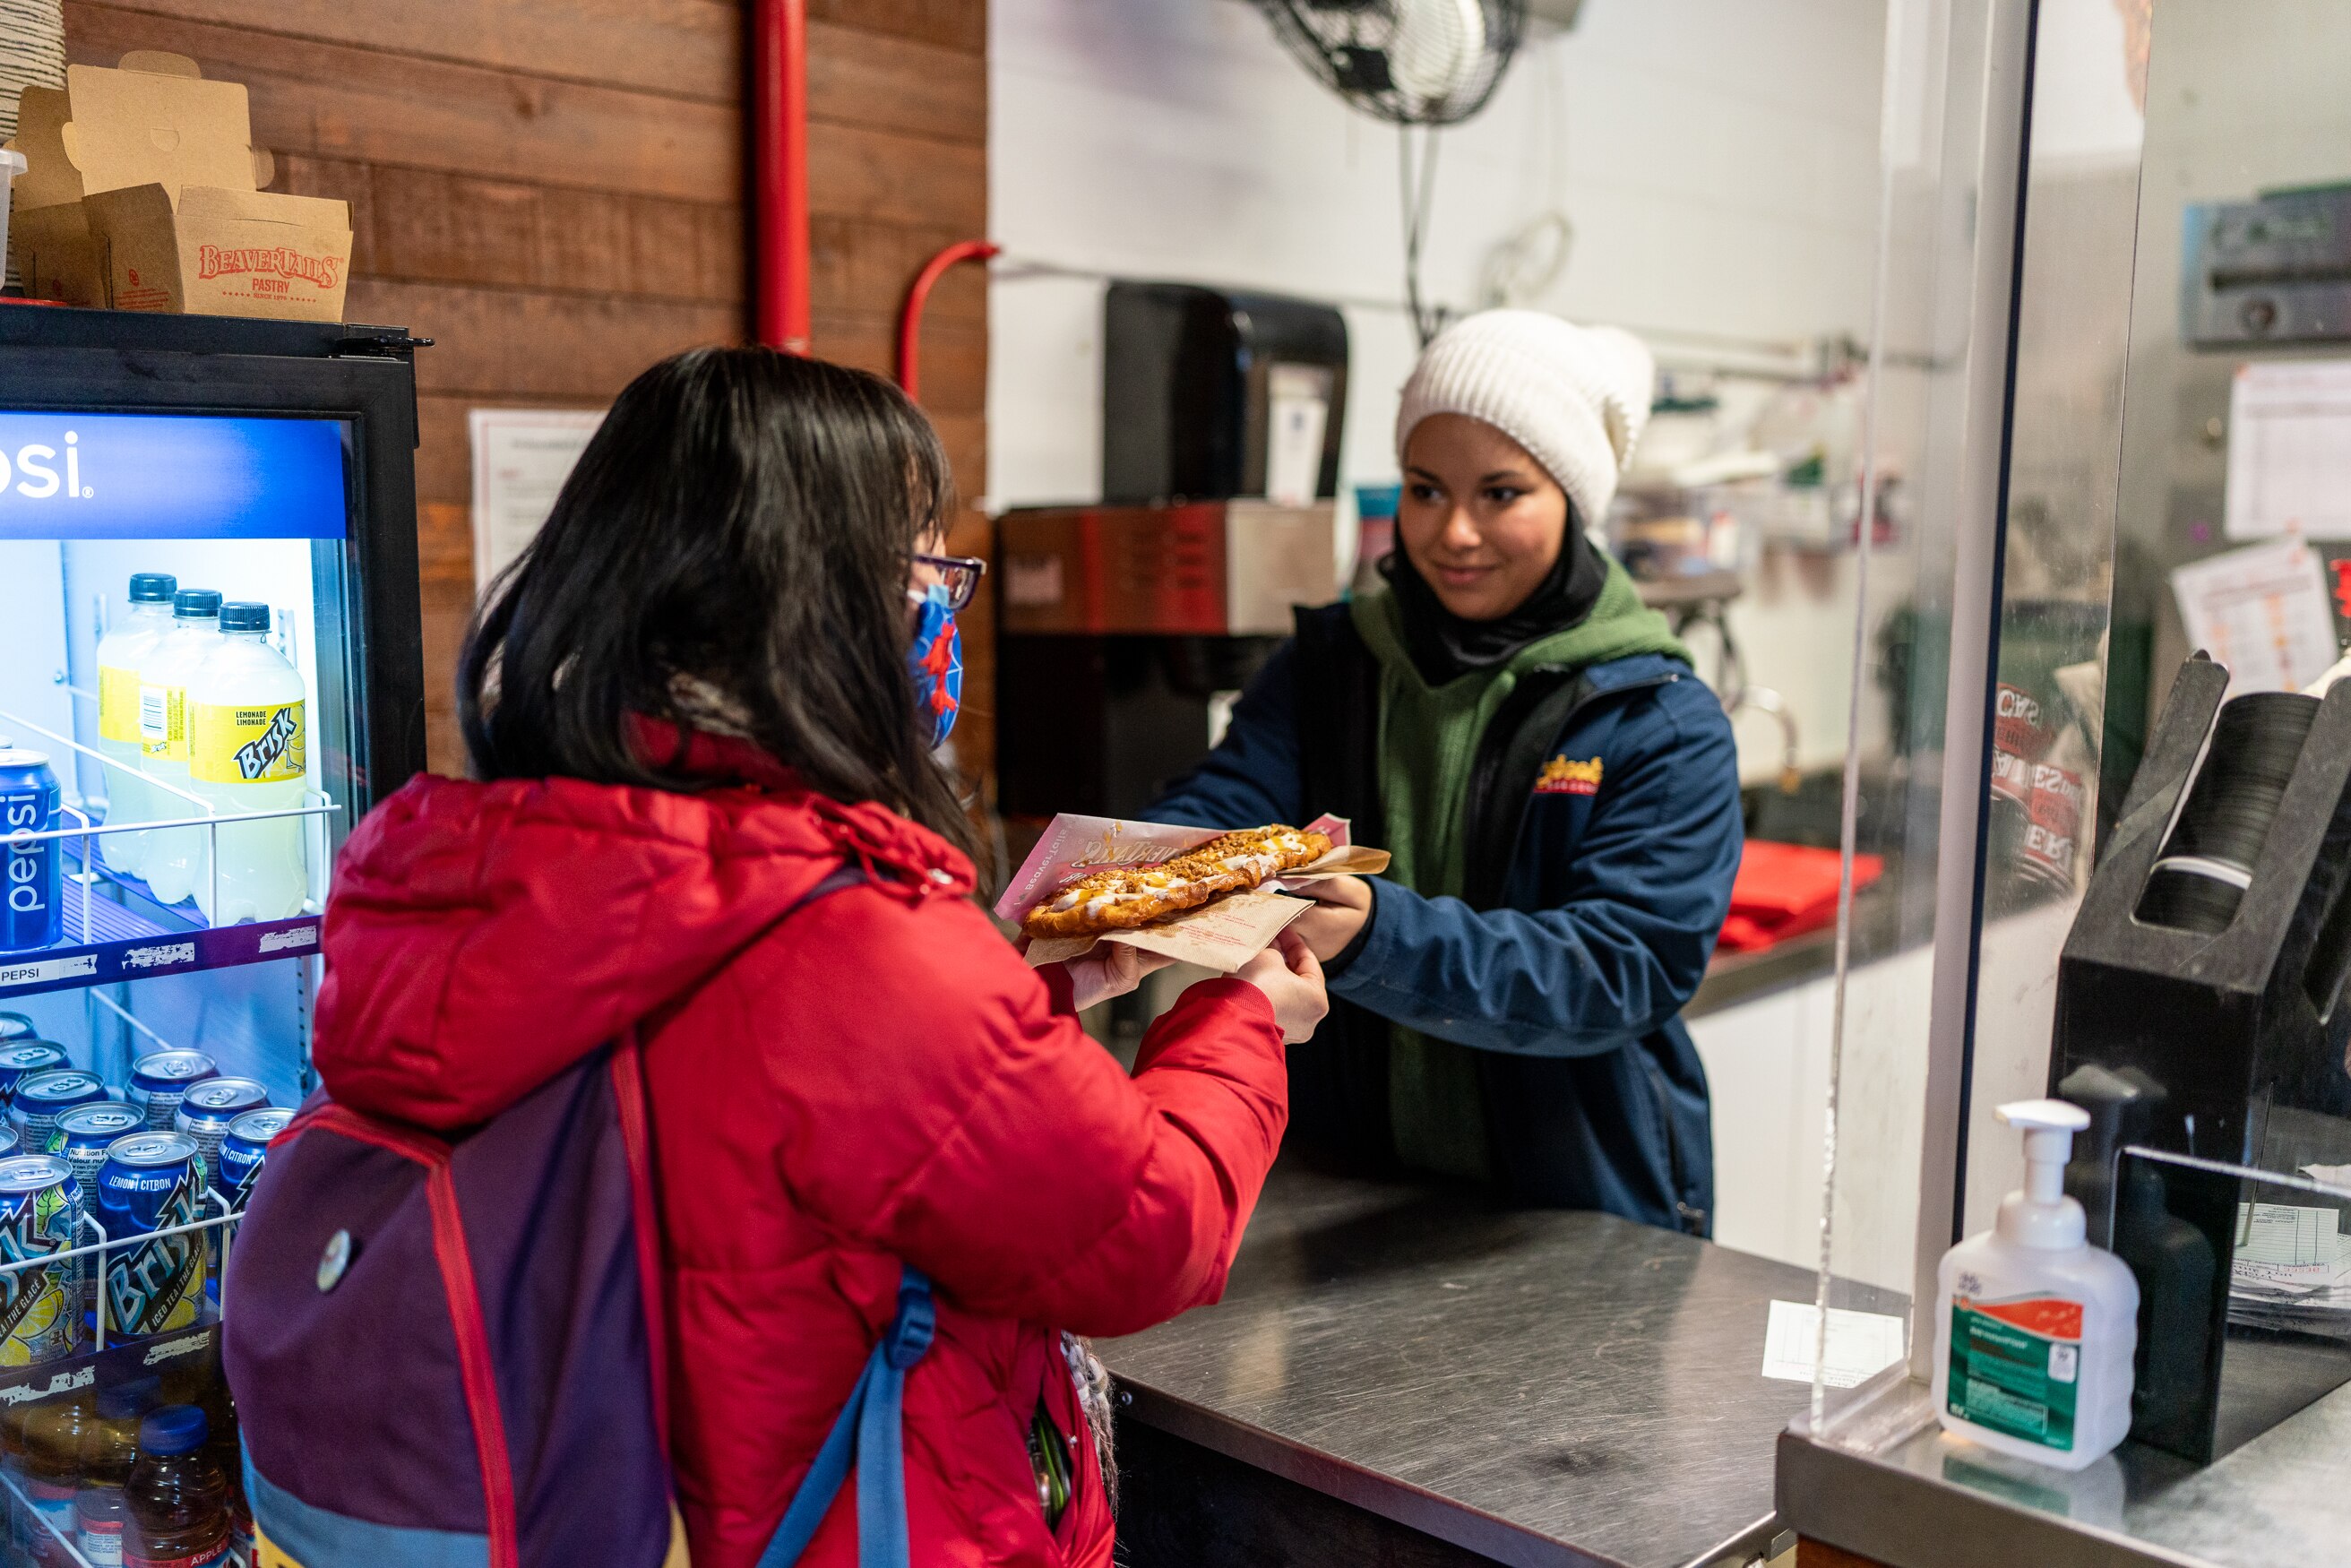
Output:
x=32 y=54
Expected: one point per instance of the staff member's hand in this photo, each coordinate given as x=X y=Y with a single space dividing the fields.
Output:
x=1341 y=904
x=1292 y=978
x=1111 y=969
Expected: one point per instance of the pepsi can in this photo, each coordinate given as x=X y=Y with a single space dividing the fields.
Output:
x=41 y=1095
x=161 y=1077
x=15 y=1026
x=32 y=874
x=244 y=1149
x=207 y=1109
x=150 y=1183
x=83 y=1133
x=20 y=1058
x=40 y=1301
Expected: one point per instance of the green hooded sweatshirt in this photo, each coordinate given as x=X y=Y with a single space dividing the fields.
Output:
x=1429 y=742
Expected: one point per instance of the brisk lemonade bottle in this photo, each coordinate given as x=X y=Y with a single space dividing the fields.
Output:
x=247 y=752
x=168 y=860
x=120 y=652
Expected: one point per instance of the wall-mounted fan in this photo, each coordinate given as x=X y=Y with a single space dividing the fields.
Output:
x=1420 y=63
x=1417 y=62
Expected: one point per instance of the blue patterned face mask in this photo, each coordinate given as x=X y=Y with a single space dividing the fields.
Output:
x=935 y=661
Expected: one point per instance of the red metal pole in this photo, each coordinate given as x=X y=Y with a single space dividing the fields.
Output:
x=779 y=172
x=910 y=318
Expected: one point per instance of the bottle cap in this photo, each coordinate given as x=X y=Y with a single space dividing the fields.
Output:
x=173 y=1429
x=125 y=1400
x=195 y=604
x=152 y=587
x=243 y=616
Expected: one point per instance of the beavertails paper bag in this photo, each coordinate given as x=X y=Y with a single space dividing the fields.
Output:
x=1221 y=936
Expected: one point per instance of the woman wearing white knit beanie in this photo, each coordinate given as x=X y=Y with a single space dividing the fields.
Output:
x=1560 y=793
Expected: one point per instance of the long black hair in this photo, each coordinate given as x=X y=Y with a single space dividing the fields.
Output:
x=737 y=533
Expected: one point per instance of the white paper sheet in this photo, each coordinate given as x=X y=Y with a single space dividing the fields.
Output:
x=521 y=458
x=2290 y=450
x=2261 y=611
x=1861 y=1344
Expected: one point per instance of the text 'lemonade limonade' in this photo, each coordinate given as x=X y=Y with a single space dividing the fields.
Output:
x=120 y=652
x=249 y=752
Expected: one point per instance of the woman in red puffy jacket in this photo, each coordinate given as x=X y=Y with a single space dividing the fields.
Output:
x=690 y=702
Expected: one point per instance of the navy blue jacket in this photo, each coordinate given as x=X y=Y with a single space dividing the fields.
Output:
x=1593 y=897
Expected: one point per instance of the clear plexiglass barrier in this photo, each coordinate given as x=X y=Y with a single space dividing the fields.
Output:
x=2009 y=198
x=2111 y=369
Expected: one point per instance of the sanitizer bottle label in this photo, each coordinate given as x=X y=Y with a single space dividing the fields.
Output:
x=259 y=745
x=2016 y=1367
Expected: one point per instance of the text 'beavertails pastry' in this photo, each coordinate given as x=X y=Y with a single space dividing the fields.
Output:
x=1127 y=896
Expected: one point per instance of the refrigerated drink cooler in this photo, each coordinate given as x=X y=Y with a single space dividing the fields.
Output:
x=209 y=671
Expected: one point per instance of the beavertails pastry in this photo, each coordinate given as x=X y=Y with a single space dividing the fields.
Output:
x=1124 y=897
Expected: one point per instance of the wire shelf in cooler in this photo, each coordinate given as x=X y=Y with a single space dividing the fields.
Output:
x=118 y=931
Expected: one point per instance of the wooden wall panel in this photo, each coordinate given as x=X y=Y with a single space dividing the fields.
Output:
x=553 y=190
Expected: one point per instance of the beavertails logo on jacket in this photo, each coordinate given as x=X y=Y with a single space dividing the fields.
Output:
x=1562 y=777
x=284 y=261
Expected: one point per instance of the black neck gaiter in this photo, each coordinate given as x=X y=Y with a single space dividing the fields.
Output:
x=1444 y=647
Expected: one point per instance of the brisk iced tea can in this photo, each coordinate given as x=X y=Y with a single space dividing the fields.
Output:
x=20 y=1058
x=40 y=1303
x=207 y=1109
x=41 y=1095
x=31 y=874
x=84 y=1133
x=159 y=1078
x=244 y=1149
x=150 y=1183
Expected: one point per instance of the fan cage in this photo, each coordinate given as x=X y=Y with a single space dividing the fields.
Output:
x=1344 y=43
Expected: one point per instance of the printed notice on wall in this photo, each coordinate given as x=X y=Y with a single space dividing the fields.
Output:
x=521 y=457
x=2262 y=613
x=2290 y=450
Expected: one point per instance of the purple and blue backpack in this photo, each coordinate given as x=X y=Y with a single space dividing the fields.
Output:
x=447 y=1353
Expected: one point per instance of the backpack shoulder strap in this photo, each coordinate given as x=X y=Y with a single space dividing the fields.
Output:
x=869 y=1437
x=636 y=1134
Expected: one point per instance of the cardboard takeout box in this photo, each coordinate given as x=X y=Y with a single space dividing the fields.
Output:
x=144 y=193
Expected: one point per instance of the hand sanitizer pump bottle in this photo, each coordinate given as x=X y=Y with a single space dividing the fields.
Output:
x=2035 y=1328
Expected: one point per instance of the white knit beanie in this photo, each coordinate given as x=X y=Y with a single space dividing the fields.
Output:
x=1574 y=397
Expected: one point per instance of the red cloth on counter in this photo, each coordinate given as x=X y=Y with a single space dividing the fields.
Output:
x=878 y=1079
x=1786 y=890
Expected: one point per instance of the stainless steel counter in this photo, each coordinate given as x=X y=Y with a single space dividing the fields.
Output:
x=1926 y=1500
x=1539 y=1388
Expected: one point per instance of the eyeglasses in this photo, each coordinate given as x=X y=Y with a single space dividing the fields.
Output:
x=958 y=574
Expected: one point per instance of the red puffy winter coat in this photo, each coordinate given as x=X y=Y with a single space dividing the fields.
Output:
x=878 y=1078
